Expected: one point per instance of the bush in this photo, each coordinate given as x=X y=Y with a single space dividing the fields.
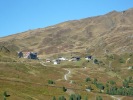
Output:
x=125 y=84
x=88 y=79
x=75 y=97
x=64 y=89
x=62 y=98
x=111 y=56
x=112 y=82
x=121 y=60
x=99 y=98
x=100 y=86
x=5 y=95
x=120 y=91
x=54 y=98
x=51 y=82
x=96 y=61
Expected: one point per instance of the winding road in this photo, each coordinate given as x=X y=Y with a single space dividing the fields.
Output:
x=67 y=75
x=69 y=91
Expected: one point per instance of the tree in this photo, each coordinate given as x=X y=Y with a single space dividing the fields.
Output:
x=131 y=91
x=51 y=82
x=54 y=98
x=100 y=86
x=5 y=95
x=78 y=97
x=72 y=97
x=96 y=61
x=125 y=84
x=88 y=79
x=64 y=89
x=75 y=97
x=113 y=90
x=4 y=98
x=62 y=98
x=99 y=98
x=121 y=60
x=112 y=82
x=107 y=91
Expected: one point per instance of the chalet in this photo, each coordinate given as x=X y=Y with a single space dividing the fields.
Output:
x=29 y=55
x=26 y=54
x=88 y=58
x=62 y=59
x=57 y=61
x=48 y=60
x=75 y=59
x=32 y=55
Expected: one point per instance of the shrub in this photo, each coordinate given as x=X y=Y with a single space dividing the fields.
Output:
x=100 y=86
x=64 y=89
x=51 y=82
x=5 y=95
x=125 y=84
x=62 y=98
x=75 y=97
x=112 y=82
x=121 y=60
x=88 y=79
x=96 y=61
x=99 y=98
x=54 y=98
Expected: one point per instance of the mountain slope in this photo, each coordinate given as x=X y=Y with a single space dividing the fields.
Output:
x=112 y=32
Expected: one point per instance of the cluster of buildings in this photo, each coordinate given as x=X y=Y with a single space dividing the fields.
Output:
x=59 y=59
x=29 y=55
x=33 y=55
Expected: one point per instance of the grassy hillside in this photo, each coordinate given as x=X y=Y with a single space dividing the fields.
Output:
x=112 y=32
x=25 y=79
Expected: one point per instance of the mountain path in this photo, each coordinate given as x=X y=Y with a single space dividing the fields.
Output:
x=67 y=75
x=116 y=98
x=69 y=91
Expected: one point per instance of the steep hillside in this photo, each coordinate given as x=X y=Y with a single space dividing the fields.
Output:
x=112 y=32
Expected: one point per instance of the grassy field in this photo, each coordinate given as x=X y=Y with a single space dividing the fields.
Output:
x=28 y=80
